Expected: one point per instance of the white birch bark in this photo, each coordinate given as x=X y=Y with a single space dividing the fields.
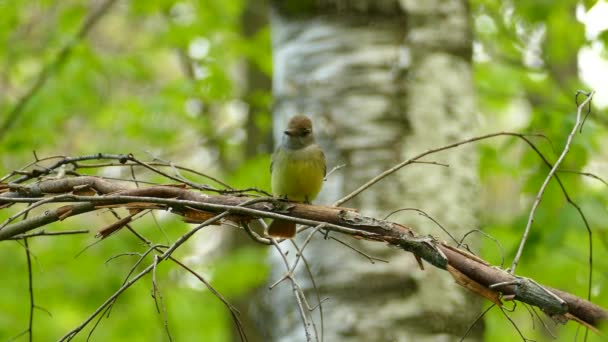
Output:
x=383 y=80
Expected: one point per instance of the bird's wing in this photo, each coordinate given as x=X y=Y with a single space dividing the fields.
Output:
x=272 y=158
x=324 y=163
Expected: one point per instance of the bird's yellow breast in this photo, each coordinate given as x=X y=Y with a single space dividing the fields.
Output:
x=298 y=174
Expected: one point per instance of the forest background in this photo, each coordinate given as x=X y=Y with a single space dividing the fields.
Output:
x=190 y=82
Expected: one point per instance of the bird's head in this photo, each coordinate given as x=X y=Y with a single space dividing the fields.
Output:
x=298 y=133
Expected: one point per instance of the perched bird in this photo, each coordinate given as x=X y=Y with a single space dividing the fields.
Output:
x=297 y=170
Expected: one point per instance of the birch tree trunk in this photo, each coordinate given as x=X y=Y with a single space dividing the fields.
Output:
x=382 y=80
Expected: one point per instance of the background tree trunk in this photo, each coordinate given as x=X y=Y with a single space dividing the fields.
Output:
x=382 y=80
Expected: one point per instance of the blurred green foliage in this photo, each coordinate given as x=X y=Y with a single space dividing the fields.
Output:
x=527 y=71
x=155 y=78
x=169 y=80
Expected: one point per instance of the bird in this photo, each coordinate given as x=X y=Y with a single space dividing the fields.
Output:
x=297 y=170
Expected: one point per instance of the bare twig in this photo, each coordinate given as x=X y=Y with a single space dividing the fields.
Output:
x=371 y=259
x=14 y=338
x=296 y=291
x=114 y=257
x=156 y=292
x=300 y=255
x=502 y=251
x=132 y=158
x=586 y=174
x=316 y=291
x=541 y=191
x=44 y=233
x=415 y=159
x=423 y=213
x=105 y=313
x=166 y=255
x=109 y=307
x=541 y=320
x=514 y=324
x=397 y=167
x=154 y=163
x=125 y=160
x=478 y=319
x=63 y=160
x=72 y=333
x=333 y=169
x=255 y=235
x=233 y=311
x=30 y=283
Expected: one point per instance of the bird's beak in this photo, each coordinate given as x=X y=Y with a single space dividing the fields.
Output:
x=290 y=132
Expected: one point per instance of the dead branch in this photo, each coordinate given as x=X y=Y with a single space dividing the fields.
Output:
x=467 y=269
x=541 y=191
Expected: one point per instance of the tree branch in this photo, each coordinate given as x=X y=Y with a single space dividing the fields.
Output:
x=467 y=269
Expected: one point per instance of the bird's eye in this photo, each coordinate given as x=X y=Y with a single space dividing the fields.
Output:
x=306 y=131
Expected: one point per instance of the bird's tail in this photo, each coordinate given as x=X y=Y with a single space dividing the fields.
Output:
x=282 y=229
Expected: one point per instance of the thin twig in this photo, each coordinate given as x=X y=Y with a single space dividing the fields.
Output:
x=414 y=159
x=303 y=314
x=72 y=333
x=304 y=244
x=573 y=204
x=333 y=169
x=514 y=324
x=502 y=252
x=175 y=178
x=154 y=163
x=233 y=311
x=290 y=270
x=128 y=283
x=148 y=269
x=30 y=289
x=64 y=160
x=541 y=191
x=135 y=265
x=113 y=257
x=371 y=259
x=586 y=174
x=123 y=161
x=299 y=256
x=316 y=291
x=542 y=321
x=160 y=228
x=255 y=235
x=44 y=233
x=395 y=168
x=423 y=213
x=106 y=312
x=155 y=292
x=14 y=338
x=35 y=162
x=478 y=319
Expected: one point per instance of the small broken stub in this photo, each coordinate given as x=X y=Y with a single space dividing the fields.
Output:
x=350 y=217
x=84 y=190
x=280 y=206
